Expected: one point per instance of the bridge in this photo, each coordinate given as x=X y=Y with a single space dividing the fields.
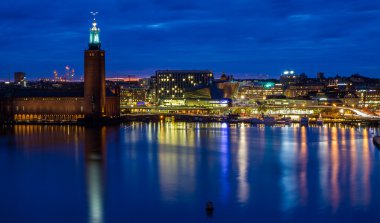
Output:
x=355 y=110
x=273 y=110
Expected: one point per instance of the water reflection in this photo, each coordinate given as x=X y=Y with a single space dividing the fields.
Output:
x=302 y=171
x=354 y=167
x=41 y=137
x=288 y=159
x=242 y=161
x=224 y=138
x=172 y=169
x=176 y=156
x=333 y=182
x=366 y=161
x=95 y=159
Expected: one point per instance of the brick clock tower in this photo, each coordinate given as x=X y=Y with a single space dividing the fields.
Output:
x=94 y=76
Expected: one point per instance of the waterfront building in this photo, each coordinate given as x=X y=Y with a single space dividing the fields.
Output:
x=229 y=88
x=196 y=103
x=151 y=90
x=303 y=89
x=253 y=91
x=217 y=94
x=132 y=95
x=369 y=98
x=288 y=102
x=173 y=83
x=60 y=103
x=367 y=90
x=217 y=90
x=350 y=99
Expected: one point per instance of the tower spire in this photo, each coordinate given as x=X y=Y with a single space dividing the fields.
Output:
x=94 y=43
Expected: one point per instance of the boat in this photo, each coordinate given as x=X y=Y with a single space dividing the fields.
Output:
x=209 y=207
x=376 y=141
x=319 y=120
x=231 y=118
x=268 y=120
x=285 y=121
x=304 y=121
x=255 y=121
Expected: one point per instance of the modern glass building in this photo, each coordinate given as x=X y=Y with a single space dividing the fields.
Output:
x=173 y=83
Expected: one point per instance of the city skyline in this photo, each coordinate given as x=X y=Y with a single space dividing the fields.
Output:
x=241 y=38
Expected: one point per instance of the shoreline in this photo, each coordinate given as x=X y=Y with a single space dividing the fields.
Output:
x=157 y=118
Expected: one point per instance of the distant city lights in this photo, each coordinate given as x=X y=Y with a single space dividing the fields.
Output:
x=288 y=72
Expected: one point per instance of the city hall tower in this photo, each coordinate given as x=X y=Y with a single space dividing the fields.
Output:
x=94 y=76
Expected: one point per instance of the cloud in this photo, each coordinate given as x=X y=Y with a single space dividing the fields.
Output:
x=242 y=36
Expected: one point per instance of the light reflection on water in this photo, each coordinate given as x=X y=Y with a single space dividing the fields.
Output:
x=95 y=161
x=111 y=174
x=242 y=160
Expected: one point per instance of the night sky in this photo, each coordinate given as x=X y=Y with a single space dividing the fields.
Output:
x=247 y=38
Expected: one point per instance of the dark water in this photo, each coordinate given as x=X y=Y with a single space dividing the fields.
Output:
x=167 y=172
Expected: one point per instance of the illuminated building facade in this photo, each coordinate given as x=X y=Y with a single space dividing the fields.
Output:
x=196 y=103
x=369 y=98
x=131 y=96
x=291 y=102
x=65 y=103
x=258 y=91
x=173 y=83
x=351 y=100
x=289 y=77
x=304 y=89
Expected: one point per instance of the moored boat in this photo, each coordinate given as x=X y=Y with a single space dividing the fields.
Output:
x=319 y=120
x=304 y=121
x=285 y=121
x=268 y=120
x=255 y=121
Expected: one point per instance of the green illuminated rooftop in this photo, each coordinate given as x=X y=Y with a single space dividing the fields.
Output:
x=94 y=42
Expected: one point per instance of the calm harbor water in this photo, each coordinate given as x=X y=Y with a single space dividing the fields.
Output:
x=166 y=172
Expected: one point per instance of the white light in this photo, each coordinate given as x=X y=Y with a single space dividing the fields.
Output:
x=286 y=72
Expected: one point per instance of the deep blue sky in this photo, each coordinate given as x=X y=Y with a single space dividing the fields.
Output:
x=241 y=37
